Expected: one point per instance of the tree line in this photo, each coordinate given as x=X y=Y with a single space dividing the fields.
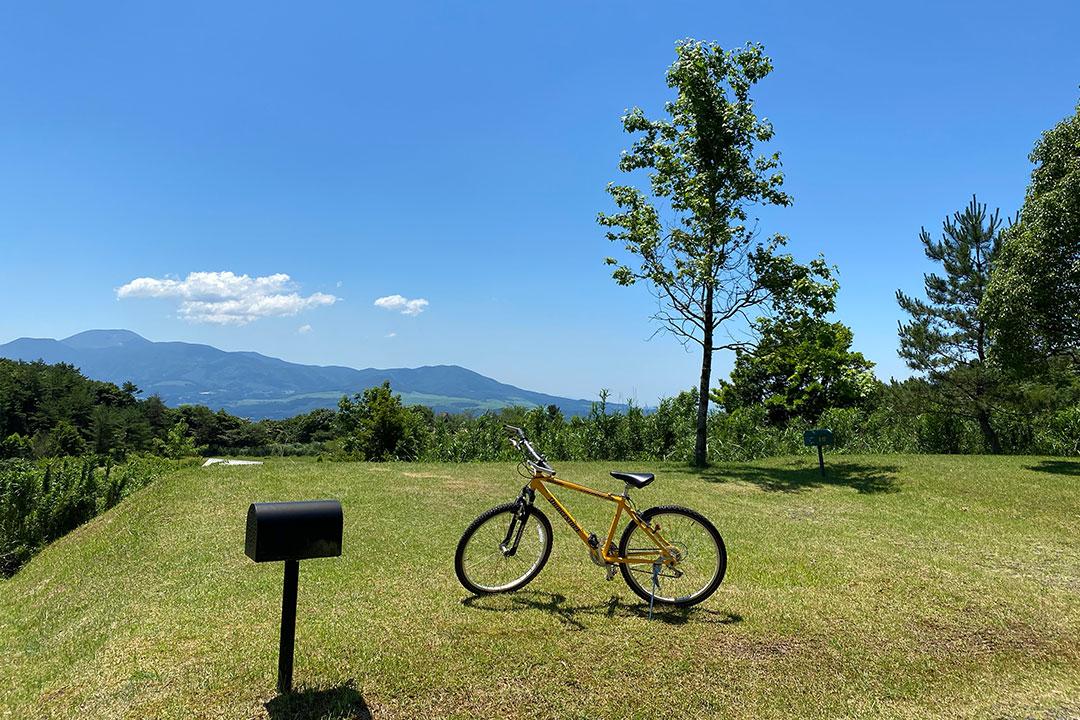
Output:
x=53 y=411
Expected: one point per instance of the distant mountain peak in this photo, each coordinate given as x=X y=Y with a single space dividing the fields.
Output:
x=257 y=386
x=97 y=339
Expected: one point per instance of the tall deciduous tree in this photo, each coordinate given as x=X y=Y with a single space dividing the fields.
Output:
x=691 y=242
x=1033 y=300
x=947 y=338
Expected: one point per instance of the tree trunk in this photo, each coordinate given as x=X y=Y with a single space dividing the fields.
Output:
x=701 y=454
x=989 y=434
x=981 y=412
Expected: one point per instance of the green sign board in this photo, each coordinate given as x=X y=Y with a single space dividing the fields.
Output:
x=818 y=436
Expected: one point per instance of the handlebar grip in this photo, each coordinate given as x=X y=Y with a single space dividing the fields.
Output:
x=522 y=443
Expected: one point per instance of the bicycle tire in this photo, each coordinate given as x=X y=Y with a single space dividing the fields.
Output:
x=543 y=526
x=644 y=591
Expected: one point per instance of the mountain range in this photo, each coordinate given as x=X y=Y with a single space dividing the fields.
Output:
x=256 y=386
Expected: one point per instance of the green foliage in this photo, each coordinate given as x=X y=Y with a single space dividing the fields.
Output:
x=180 y=443
x=376 y=426
x=63 y=440
x=800 y=368
x=41 y=501
x=1033 y=300
x=702 y=161
x=62 y=412
x=313 y=427
x=947 y=339
x=707 y=265
x=744 y=434
x=1057 y=433
x=17 y=447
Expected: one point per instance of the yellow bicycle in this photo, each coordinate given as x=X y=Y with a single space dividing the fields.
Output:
x=667 y=554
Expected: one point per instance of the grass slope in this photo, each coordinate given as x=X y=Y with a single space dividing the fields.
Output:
x=901 y=587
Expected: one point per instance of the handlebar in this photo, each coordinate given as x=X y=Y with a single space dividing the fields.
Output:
x=532 y=457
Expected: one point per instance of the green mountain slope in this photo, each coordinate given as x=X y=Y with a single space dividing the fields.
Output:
x=257 y=386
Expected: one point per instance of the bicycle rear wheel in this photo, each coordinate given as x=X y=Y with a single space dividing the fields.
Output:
x=702 y=557
x=485 y=564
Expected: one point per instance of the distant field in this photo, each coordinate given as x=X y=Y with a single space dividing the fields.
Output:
x=289 y=405
x=898 y=587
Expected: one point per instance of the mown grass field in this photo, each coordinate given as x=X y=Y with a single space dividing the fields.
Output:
x=898 y=587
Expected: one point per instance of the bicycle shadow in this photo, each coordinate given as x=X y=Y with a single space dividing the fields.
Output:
x=864 y=478
x=555 y=604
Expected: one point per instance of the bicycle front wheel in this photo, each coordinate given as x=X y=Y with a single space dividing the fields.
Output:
x=487 y=561
x=701 y=558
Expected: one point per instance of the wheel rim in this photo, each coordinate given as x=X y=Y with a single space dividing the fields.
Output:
x=485 y=564
x=692 y=574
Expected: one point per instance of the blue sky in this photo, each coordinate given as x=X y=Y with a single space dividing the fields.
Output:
x=458 y=154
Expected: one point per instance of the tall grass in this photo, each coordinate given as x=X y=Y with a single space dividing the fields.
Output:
x=41 y=501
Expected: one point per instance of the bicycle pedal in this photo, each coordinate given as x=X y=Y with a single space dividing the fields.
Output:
x=612 y=569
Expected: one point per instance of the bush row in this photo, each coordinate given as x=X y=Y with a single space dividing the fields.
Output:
x=41 y=501
x=380 y=428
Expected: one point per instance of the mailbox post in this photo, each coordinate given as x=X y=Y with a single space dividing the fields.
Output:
x=818 y=437
x=287 y=642
x=292 y=531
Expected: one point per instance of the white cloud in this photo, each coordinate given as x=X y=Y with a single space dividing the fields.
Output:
x=304 y=329
x=225 y=298
x=402 y=304
x=391 y=334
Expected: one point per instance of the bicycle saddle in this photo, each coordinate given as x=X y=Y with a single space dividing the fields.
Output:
x=638 y=480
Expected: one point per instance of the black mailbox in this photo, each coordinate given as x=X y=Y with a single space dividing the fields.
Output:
x=293 y=530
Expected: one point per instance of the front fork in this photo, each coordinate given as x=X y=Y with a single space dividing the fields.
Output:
x=525 y=500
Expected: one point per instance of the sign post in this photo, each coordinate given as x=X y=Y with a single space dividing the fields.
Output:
x=818 y=437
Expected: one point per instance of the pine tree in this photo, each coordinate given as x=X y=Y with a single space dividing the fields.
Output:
x=947 y=339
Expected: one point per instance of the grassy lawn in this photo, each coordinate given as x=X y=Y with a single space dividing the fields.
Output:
x=898 y=587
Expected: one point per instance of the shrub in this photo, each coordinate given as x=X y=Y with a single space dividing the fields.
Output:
x=376 y=426
x=180 y=443
x=1057 y=433
x=15 y=446
x=41 y=501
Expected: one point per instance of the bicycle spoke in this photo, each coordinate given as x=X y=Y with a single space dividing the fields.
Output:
x=692 y=558
x=489 y=567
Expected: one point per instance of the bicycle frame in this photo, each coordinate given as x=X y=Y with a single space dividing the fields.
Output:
x=539 y=482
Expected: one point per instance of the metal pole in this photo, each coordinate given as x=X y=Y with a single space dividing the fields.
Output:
x=288 y=626
x=821 y=461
